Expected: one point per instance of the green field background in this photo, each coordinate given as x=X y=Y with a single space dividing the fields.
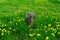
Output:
x=46 y=23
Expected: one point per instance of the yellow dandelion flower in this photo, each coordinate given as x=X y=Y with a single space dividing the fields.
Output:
x=47 y=38
x=16 y=23
x=14 y=29
x=55 y=31
x=5 y=24
x=58 y=25
x=5 y=30
x=0 y=29
x=37 y=29
x=19 y=20
x=57 y=22
x=45 y=26
x=53 y=34
x=46 y=31
x=10 y=28
x=2 y=25
x=2 y=34
x=8 y=32
x=38 y=34
x=10 y=22
x=57 y=28
x=48 y=28
x=29 y=25
x=31 y=35
x=35 y=39
x=49 y=24
x=58 y=32
x=51 y=28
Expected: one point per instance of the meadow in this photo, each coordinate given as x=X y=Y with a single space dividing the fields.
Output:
x=46 y=23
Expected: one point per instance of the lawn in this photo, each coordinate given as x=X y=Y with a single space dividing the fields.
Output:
x=46 y=23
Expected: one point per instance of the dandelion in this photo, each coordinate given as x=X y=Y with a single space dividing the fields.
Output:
x=37 y=29
x=58 y=32
x=5 y=25
x=35 y=39
x=38 y=34
x=10 y=22
x=54 y=29
x=16 y=23
x=8 y=32
x=3 y=31
x=53 y=34
x=45 y=26
x=10 y=28
x=58 y=25
x=47 y=38
x=49 y=25
x=19 y=20
x=29 y=25
x=41 y=24
x=46 y=31
x=31 y=35
x=51 y=28
x=13 y=29
x=0 y=29
x=57 y=28
x=57 y=22
x=2 y=25
x=2 y=34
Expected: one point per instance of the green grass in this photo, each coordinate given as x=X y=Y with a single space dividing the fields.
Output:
x=46 y=23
